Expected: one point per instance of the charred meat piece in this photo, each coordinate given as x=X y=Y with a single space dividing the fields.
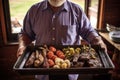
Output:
x=75 y=58
x=94 y=63
x=84 y=56
x=78 y=64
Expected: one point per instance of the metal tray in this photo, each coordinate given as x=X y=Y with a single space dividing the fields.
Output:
x=104 y=57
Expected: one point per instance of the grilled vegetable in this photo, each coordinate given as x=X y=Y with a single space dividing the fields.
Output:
x=60 y=63
x=39 y=59
x=53 y=49
x=64 y=65
x=75 y=58
x=68 y=63
x=56 y=66
x=37 y=63
x=70 y=52
x=51 y=62
x=50 y=54
x=45 y=64
x=30 y=61
x=60 y=54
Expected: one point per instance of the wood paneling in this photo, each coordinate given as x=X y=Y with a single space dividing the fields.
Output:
x=111 y=13
x=7 y=61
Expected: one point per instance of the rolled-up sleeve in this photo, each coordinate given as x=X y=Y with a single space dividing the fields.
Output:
x=87 y=32
x=28 y=24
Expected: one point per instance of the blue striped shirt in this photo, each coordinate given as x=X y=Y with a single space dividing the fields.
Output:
x=63 y=27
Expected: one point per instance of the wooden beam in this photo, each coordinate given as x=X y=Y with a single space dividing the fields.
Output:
x=101 y=14
x=3 y=27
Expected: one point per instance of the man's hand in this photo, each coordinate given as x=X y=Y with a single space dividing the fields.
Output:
x=20 y=51
x=24 y=40
x=102 y=45
x=99 y=41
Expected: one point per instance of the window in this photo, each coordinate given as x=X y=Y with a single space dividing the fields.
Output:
x=18 y=9
x=93 y=12
x=91 y=8
x=80 y=2
x=15 y=11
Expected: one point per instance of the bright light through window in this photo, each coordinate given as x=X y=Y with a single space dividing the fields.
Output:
x=80 y=2
x=18 y=9
x=93 y=12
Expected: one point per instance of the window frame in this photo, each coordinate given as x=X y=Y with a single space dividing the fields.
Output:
x=3 y=26
x=11 y=37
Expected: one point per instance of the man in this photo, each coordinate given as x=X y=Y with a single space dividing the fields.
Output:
x=55 y=22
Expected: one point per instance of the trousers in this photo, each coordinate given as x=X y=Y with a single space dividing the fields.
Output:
x=46 y=77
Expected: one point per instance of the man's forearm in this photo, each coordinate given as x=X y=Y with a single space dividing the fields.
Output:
x=96 y=40
x=24 y=40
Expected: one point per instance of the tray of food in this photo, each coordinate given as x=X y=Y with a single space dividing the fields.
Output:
x=63 y=59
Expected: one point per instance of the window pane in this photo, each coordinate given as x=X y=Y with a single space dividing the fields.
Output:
x=18 y=9
x=94 y=3
x=93 y=12
x=80 y=2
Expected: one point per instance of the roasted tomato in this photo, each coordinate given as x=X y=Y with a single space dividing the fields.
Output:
x=59 y=53
x=62 y=56
x=51 y=62
x=50 y=54
x=54 y=56
x=51 y=48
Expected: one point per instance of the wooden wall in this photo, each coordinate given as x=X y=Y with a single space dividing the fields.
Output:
x=111 y=12
x=7 y=60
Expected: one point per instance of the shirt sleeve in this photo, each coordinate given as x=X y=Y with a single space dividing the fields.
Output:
x=28 y=24
x=87 y=32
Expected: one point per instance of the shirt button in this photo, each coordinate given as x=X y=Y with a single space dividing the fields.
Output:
x=53 y=39
x=53 y=28
x=54 y=17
